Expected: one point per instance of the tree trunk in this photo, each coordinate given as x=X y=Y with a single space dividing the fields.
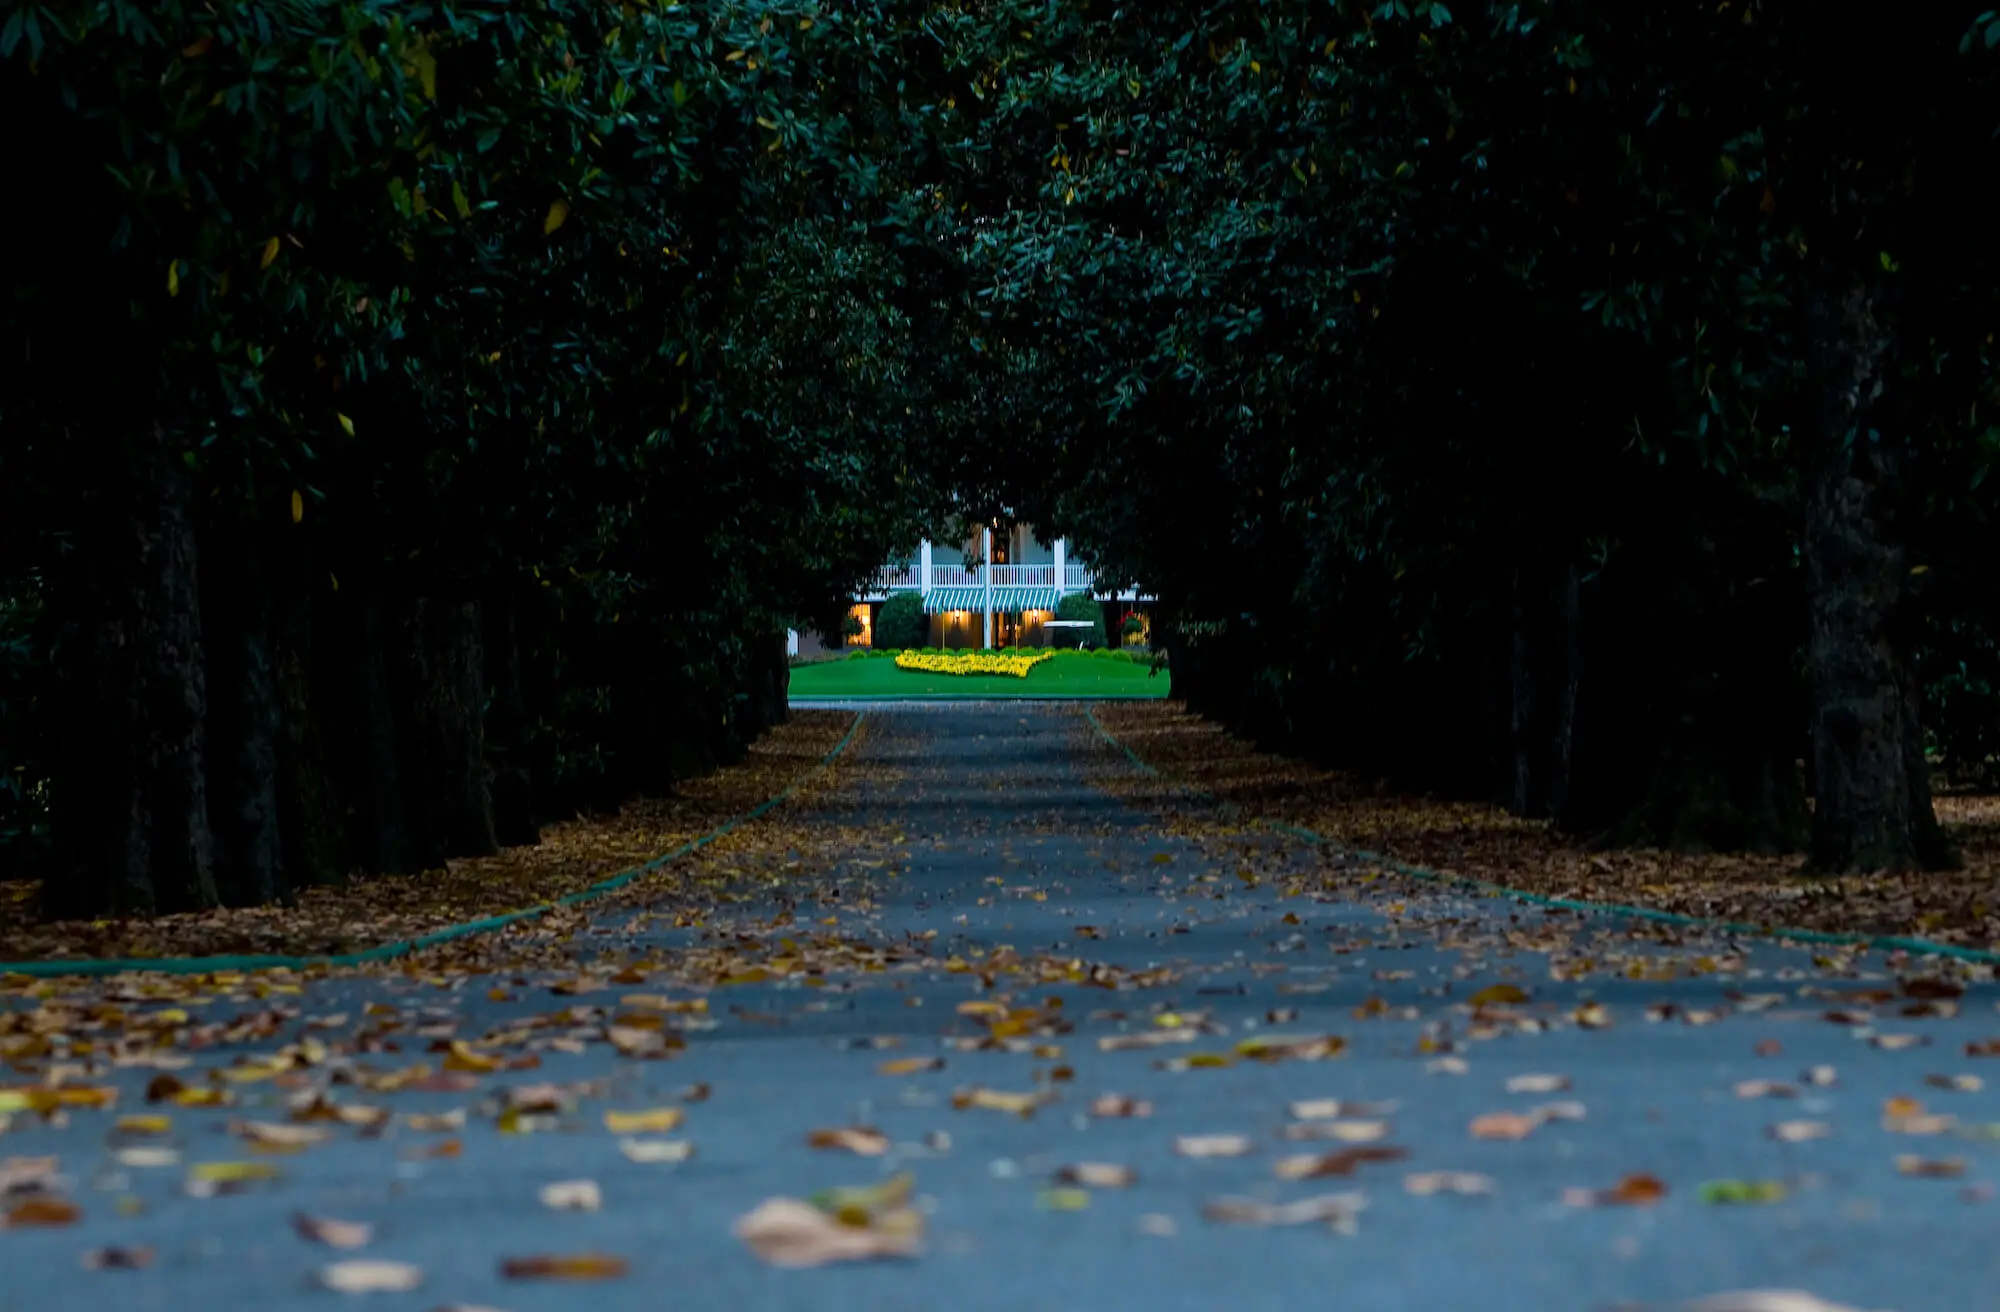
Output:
x=446 y=745
x=309 y=820
x=243 y=723
x=131 y=807
x=1544 y=664
x=515 y=823
x=371 y=770
x=1872 y=806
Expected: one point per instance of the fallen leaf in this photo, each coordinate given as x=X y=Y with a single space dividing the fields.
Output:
x=911 y=1065
x=571 y=1266
x=1504 y=1125
x=865 y=1140
x=1765 y=1300
x=1742 y=1191
x=1638 y=1190
x=1212 y=1145
x=1326 y=1109
x=1956 y=1083
x=1498 y=995
x=1097 y=1175
x=1336 y=1210
x=573 y=1196
x=656 y=1151
x=269 y=1136
x=118 y=1259
x=1113 y=1106
x=1949 y=1168
x=1338 y=1131
x=1800 y=1131
x=1063 y=1200
x=209 y=1179
x=1449 y=1182
x=1537 y=1083
x=41 y=1211
x=450 y=1122
x=1145 y=1039
x=993 y=1100
x=789 y=1232
x=332 y=1233
x=1766 y=1089
x=1277 y=1047
x=1312 y=1166
x=371 y=1276
x=659 y=1120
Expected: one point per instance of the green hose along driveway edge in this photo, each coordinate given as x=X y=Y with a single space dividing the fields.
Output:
x=1892 y=943
x=389 y=951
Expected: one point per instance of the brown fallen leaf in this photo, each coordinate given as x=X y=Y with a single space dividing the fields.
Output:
x=1956 y=1083
x=118 y=1259
x=570 y=1266
x=41 y=1211
x=865 y=1140
x=1313 y=1166
x=1114 y=1106
x=1639 y=1190
x=1213 y=1145
x=332 y=1233
x=790 y=1232
x=371 y=1276
x=573 y=1196
x=1425 y=1183
x=1097 y=1175
x=1950 y=1168
x=1498 y=995
x=911 y=1065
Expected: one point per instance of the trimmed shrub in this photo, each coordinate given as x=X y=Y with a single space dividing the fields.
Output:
x=901 y=623
x=1080 y=606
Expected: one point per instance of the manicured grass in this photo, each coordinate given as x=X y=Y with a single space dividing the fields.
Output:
x=1070 y=674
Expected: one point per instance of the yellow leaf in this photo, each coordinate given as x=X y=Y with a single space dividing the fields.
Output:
x=270 y=253
x=660 y=1120
x=298 y=506
x=173 y=277
x=558 y=211
x=1498 y=993
x=459 y=202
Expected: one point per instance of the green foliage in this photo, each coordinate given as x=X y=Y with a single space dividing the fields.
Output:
x=1081 y=606
x=901 y=622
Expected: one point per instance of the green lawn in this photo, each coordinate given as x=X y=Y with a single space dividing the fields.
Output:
x=1070 y=674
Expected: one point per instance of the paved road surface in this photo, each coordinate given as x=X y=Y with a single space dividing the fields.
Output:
x=984 y=826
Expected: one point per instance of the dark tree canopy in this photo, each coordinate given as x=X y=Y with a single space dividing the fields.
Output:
x=419 y=420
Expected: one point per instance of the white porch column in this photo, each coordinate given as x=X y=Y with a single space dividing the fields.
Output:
x=1060 y=576
x=986 y=577
x=924 y=572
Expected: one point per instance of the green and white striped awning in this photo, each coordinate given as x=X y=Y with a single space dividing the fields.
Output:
x=1006 y=600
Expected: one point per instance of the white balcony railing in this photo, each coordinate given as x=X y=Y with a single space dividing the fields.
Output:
x=955 y=576
x=1024 y=576
x=1075 y=578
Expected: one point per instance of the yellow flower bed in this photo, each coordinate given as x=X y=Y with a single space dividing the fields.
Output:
x=972 y=662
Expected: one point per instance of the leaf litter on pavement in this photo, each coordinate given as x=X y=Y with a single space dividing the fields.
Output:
x=488 y=1030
